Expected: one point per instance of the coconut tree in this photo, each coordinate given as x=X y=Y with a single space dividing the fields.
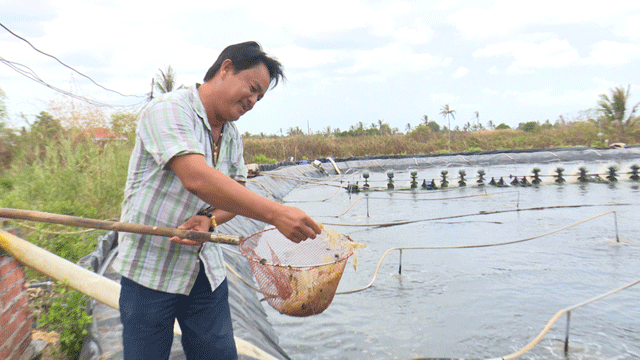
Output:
x=357 y=129
x=166 y=80
x=448 y=113
x=614 y=108
x=384 y=128
x=479 y=124
x=295 y=131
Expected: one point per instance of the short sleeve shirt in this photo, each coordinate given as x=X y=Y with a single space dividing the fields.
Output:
x=173 y=124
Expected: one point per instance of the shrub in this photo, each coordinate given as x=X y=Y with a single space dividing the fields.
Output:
x=65 y=314
x=263 y=159
x=5 y=184
x=529 y=126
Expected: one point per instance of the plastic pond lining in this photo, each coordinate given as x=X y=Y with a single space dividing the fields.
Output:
x=249 y=317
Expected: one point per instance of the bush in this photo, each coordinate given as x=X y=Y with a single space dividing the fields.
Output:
x=5 y=184
x=65 y=314
x=263 y=159
x=529 y=126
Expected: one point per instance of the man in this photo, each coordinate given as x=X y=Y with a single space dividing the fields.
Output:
x=187 y=157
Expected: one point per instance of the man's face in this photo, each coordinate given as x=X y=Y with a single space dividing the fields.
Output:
x=243 y=89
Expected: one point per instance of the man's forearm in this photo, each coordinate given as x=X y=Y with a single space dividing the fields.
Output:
x=222 y=216
x=222 y=192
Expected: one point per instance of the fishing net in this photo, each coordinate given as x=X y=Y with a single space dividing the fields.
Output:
x=297 y=279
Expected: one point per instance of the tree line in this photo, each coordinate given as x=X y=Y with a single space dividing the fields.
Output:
x=613 y=111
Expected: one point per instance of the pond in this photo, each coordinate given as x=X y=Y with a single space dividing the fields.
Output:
x=477 y=302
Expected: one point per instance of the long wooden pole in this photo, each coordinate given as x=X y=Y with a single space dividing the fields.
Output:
x=39 y=216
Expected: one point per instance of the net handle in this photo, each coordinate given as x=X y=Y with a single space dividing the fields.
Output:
x=76 y=221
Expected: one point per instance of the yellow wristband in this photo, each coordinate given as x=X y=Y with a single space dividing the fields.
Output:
x=213 y=222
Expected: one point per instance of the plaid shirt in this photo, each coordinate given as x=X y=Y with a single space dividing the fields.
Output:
x=171 y=125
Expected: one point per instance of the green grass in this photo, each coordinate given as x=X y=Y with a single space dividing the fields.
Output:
x=70 y=176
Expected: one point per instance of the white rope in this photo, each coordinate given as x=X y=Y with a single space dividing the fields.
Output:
x=375 y=274
x=555 y=317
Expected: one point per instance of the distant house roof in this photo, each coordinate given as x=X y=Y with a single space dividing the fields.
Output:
x=99 y=134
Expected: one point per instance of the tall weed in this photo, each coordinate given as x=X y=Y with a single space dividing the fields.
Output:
x=69 y=175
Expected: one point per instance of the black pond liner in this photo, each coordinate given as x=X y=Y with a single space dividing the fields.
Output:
x=249 y=318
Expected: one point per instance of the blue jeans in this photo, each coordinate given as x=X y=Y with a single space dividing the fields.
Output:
x=204 y=316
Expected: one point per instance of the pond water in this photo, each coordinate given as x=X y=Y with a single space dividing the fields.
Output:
x=478 y=302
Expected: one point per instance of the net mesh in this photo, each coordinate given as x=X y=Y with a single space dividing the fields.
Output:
x=297 y=279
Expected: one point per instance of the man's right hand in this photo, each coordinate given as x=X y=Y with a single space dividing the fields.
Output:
x=295 y=224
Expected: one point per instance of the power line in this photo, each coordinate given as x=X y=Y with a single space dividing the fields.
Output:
x=65 y=65
x=28 y=72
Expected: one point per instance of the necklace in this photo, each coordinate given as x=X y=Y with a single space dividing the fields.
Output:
x=215 y=144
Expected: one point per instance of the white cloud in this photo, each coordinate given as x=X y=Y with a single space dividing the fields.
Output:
x=631 y=27
x=462 y=71
x=506 y=16
x=529 y=56
x=604 y=83
x=446 y=4
x=413 y=36
x=297 y=57
x=550 y=97
x=493 y=71
x=613 y=53
x=445 y=98
x=488 y=92
x=392 y=59
x=309 y=18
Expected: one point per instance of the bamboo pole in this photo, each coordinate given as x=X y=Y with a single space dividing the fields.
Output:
x=117 y=226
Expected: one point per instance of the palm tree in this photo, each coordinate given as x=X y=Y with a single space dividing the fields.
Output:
x=166 y=81
x=448 y=113
x=614 y=109
x=477 y=115
x=295 y=131
x=357 y=129
x=384 y=128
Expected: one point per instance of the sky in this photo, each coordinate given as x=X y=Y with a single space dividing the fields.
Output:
x=346 y=61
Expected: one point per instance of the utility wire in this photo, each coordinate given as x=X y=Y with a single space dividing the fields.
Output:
x=28 y=72
x=67 y=66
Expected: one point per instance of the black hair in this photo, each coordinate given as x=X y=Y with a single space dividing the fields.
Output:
x=245 y=56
